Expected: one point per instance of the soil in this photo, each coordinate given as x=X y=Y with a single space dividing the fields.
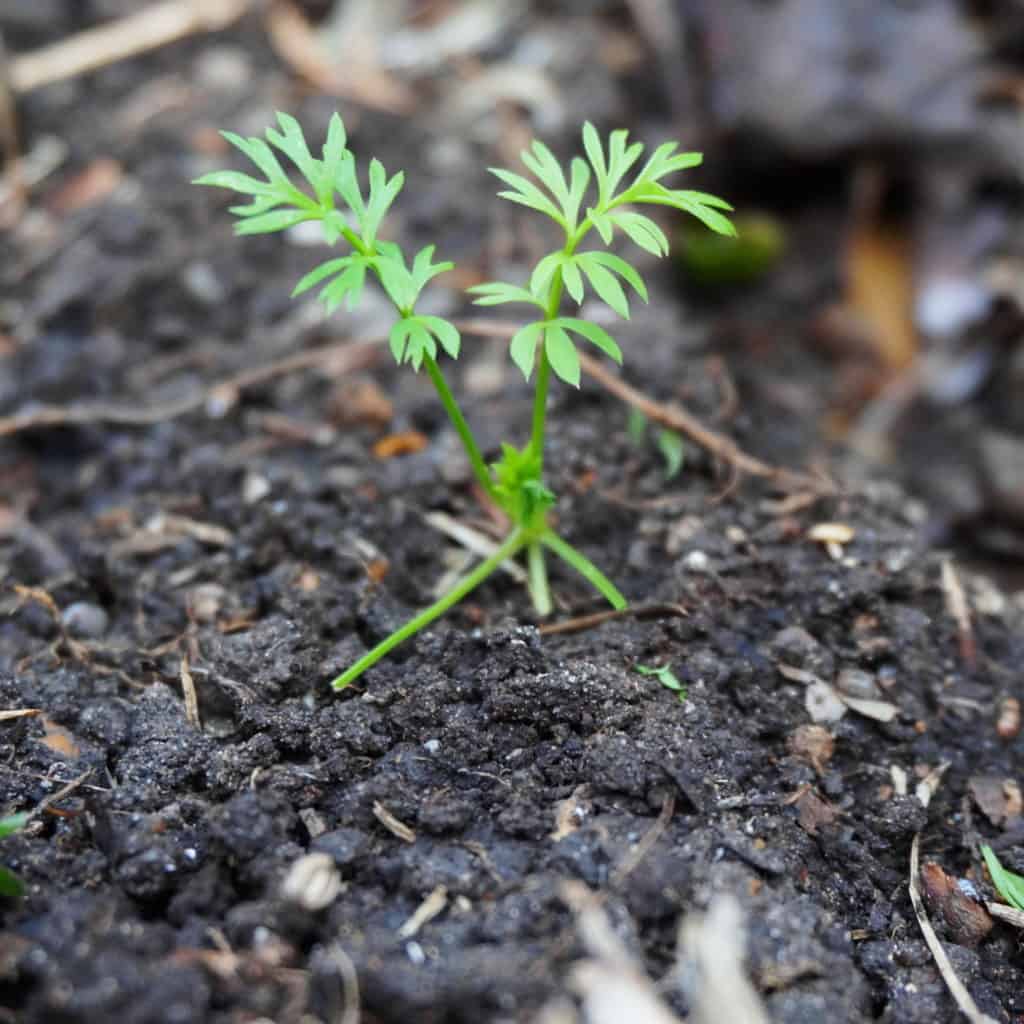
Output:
x=256 y=544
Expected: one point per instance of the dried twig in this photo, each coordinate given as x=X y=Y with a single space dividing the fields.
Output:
x=956 y=987
x=629 y=863
x=397 y=828
x=640 y=611
x=675 y=418
x=154 y=26
x=959 y=611
x=188 y=689
x=341 y=357
x=433 y=905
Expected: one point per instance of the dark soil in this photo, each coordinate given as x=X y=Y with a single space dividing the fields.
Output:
x=258 y=542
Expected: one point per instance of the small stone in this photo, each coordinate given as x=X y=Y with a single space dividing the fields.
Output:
x=432 y=746
x=84 y=620
x=856 y=683
x=255 y=488
x=697 y=561
x=795 y=646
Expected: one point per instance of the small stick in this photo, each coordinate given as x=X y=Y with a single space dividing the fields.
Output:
x=959 y=611
x=674 y=417
x=956 y=987
x=651 y=836
x=154 y=26
x=397 y=828
x=585 y=622
x=435 y=902
x=188 y=689
x=342 y=357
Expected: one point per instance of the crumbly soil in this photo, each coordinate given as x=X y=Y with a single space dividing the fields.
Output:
x=259 y=542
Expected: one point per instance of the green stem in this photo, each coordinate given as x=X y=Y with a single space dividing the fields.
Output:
x=451 y=407
x=586 y=568
x=513 y=543
x=540 y=407
x=540 y=592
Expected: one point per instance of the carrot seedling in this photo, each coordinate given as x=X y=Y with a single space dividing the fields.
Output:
x=599 y=194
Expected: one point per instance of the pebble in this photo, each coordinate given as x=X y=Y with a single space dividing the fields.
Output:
x=856 y=683
x=84 y=620
x=697 y=561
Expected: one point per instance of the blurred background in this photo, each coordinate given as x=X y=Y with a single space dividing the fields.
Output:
x=870 y=312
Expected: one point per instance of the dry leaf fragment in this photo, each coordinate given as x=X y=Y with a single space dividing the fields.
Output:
x=997 y=798
x=967 y=919
x=408 y=442
x=814 y=744
x=813 y=810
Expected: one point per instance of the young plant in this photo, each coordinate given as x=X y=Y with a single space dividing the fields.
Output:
x=1008 y=884
x=544 y=347
x=10 y=884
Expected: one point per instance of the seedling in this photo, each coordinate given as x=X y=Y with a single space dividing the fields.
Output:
x=666 y=677
x=10 y=884
x=545 y=346
x=670 y=444
x=1008 y=884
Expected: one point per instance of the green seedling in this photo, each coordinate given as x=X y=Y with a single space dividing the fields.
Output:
x=666 y=677
x=10 y=884
x=669 y=443
x=598 y=195
x=1009 y=885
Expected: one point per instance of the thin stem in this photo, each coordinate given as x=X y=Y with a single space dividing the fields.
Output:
x=512 y=544
x=540 y=395
x=585 y=567
x=461 y=426
x=540 y=592
x=540 y=406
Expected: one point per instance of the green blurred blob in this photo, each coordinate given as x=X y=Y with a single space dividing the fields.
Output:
x=711 y=259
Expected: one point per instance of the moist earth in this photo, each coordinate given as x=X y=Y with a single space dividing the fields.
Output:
x=249 y=549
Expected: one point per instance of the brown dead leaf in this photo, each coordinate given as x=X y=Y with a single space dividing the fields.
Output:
x=359 y=401
x=967 y=919
x=880 y=289
x=814 y=744
x=91 y=185
x=408 y=442
x=997 y=798
x=813 y=810
x=59 y=740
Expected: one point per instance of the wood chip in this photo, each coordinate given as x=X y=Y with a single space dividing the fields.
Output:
x=433 y=905
x=188 y=689
x=831 y=533
x=397 y=828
